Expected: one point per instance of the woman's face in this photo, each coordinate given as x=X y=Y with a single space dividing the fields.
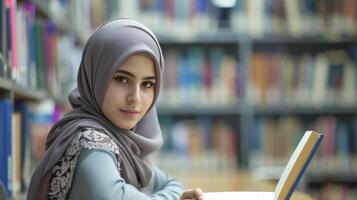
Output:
x=130 y=92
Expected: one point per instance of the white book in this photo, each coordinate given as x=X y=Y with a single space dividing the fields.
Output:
x=288 y=181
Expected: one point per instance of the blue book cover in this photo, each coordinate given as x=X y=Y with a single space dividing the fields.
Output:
x=343 y=146
x=5 y=117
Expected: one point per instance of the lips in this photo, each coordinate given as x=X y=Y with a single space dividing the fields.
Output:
x=130 y=113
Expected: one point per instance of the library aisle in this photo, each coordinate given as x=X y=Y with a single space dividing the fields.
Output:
x=244 y=79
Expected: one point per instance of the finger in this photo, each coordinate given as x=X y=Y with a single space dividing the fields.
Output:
x=188 y=194
x=188 y=198
x=194 y=198
x=184 y=196
x=198 y=193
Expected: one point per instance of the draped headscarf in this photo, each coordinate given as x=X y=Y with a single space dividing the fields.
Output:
x=106 y=49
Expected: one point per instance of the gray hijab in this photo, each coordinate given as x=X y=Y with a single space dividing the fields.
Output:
x=107 y=48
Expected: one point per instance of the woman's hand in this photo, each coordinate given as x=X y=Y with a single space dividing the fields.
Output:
x=195 y=194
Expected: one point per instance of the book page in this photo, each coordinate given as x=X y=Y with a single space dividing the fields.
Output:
x=238 y=196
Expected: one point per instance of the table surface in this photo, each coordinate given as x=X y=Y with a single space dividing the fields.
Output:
x=230 y=181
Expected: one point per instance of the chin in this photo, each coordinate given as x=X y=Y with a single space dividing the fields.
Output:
x=126 y=126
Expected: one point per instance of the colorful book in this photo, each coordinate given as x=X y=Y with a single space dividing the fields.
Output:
x=292 y=174
x=6 y=109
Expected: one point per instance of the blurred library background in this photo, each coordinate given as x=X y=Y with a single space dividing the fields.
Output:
x=243 y=81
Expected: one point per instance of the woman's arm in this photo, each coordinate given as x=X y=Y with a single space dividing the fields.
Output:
x=165 y=186
x=168 y=188
x=96 y=177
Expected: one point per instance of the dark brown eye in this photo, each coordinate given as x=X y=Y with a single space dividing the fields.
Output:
x=148 y=84
x=120 y=79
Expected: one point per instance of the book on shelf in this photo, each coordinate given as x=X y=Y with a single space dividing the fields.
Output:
x=289 y=179
x=24 y=127
x=6 y=154
x=202 y=145
x=22 y=108
x=16 y=139
x=199 y=76
x=303 y=79
x=35 y=53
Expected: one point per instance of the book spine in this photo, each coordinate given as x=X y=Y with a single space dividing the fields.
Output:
x=304 y=168
x=6 y=174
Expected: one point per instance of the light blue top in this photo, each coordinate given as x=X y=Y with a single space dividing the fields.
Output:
x=96 y=178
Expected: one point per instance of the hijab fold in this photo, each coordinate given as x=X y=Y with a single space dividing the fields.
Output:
x=107 y=48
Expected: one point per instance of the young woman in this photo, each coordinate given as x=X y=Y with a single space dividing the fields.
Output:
x=99 y=149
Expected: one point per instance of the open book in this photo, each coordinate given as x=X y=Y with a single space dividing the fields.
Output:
x=290 y=177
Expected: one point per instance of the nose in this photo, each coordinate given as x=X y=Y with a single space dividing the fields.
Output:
x=134 y=95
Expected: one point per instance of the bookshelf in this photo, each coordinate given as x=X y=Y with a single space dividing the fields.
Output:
x=251 y=112
x=36 y=69
x=238 y=93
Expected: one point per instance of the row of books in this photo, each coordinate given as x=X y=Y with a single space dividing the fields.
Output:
x=200 y=77
x=35 y=54
x=257 y=18
x=209 y=144
x=24 y=127
x=211 y=76
x=295 y=17
x=273 y=139
x=323 y=78
x=202 y=144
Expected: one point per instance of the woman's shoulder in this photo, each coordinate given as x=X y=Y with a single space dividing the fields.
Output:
x=90 y=138
x=86 y=140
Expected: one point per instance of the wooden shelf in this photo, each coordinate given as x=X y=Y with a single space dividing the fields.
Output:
x=28 y=94
x=5 y=84
x=200 y=110
x=304 y=39
x=258 y=110
x=219 y=37
x=21 y=92
x=231 y=36
x=305 y=110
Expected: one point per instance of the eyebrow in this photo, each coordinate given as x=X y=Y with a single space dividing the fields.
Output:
x=133 y=75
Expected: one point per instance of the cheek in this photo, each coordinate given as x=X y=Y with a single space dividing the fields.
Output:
x=148 y=98
x=116 y=93
x=112 y=98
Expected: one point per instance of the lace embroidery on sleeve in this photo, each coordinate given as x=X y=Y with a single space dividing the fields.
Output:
x=62 y=172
